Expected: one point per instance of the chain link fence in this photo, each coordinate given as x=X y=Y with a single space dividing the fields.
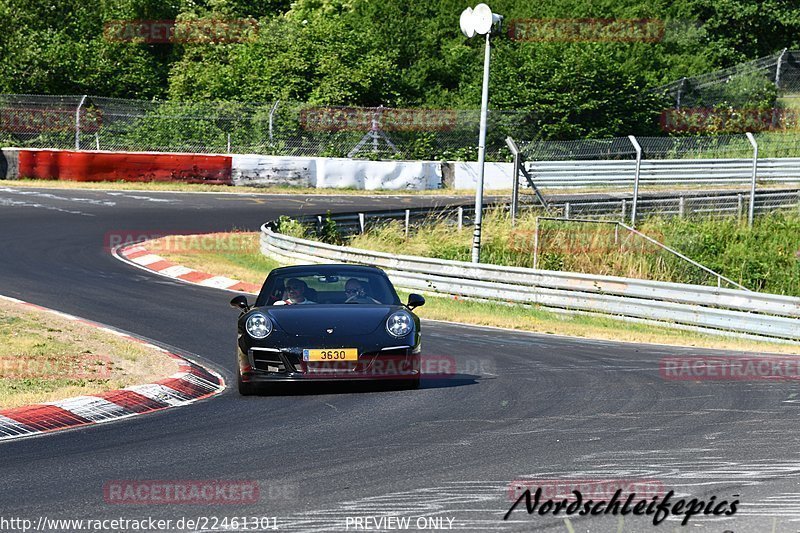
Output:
x=740 y=85
x=629 y=177
x=272 y=128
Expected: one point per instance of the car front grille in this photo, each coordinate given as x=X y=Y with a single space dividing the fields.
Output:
x=267 y=360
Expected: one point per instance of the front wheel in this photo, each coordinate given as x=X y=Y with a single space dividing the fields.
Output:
x=245 y=389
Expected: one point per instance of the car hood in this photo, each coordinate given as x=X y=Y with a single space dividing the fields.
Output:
x=315 y=320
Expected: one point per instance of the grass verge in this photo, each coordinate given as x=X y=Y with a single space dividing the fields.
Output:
x=246 y=263
x=44 y=358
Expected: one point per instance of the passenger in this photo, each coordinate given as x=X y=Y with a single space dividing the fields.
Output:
x=355 y=292
x=295 y=293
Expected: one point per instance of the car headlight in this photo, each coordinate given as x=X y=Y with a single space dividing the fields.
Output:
x=399 y=324
x=258 y=325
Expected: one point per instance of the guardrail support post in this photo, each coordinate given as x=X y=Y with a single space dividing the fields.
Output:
x=752 y=206
x=536 y=243
x=78 y=123
x=740 y=205
x=681 y=207
x=408 y=220
x=638 y=149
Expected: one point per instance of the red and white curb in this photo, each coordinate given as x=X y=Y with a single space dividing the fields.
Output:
x=191 y=383
x=139 y=256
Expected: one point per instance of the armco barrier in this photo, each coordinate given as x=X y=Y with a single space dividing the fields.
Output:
x=746 y=313
x=620 y=173
x=123 y=166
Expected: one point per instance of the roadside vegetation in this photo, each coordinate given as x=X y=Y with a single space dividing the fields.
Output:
x=44 y=358
x=764 y=259
x=356 y=53
x=246 y=263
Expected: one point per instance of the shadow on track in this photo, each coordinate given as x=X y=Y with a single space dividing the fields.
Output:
x=309 y=389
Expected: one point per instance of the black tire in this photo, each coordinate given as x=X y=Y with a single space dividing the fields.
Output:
x=245 y=389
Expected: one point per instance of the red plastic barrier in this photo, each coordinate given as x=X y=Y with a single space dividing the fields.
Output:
x=124 y=166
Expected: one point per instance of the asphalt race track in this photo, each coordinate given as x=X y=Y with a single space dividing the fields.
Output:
x=526 y=404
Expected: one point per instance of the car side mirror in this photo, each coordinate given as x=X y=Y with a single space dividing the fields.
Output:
x=240 y=302
x=415 y=300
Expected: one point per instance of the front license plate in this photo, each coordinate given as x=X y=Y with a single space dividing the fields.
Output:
x=334 y=354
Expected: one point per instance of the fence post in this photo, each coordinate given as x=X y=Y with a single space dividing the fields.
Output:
x=78 y=123
x=460 y=218
x=536 y=243
x=229 y=143
x=512 y=146
x=751 y=210
x=408 y=220
x=681 y=207
x=566 y=209
x=680 y=90
x=361 y=223
x=97 y=140
x=271 y=113
x=638 y=149
x=778 y=69
x=624 y=209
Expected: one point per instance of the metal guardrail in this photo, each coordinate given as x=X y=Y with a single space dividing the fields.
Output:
x=707 y=308
x=621 y=173
x=665 y=204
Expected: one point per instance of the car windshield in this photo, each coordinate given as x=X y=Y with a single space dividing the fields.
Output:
x=327 y=287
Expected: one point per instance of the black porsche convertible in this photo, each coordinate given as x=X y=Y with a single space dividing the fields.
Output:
x=327 y=323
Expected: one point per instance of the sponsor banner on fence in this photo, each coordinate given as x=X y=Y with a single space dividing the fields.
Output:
x=58 y=119
x=183 y=31
x=364 y=119
x=697 y=120
x=580 y=241
x=587 y=30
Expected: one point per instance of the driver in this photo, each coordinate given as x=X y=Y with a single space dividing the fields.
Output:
x=295 y=293
x=355 y=292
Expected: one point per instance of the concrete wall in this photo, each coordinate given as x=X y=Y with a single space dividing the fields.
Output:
x=337 y=173
x=9 y=163
x=249 y=169
x=496 y=175
x=91 y=165
x=265 y=171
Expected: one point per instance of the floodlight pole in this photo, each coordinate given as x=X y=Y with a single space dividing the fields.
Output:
x=476 y=236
